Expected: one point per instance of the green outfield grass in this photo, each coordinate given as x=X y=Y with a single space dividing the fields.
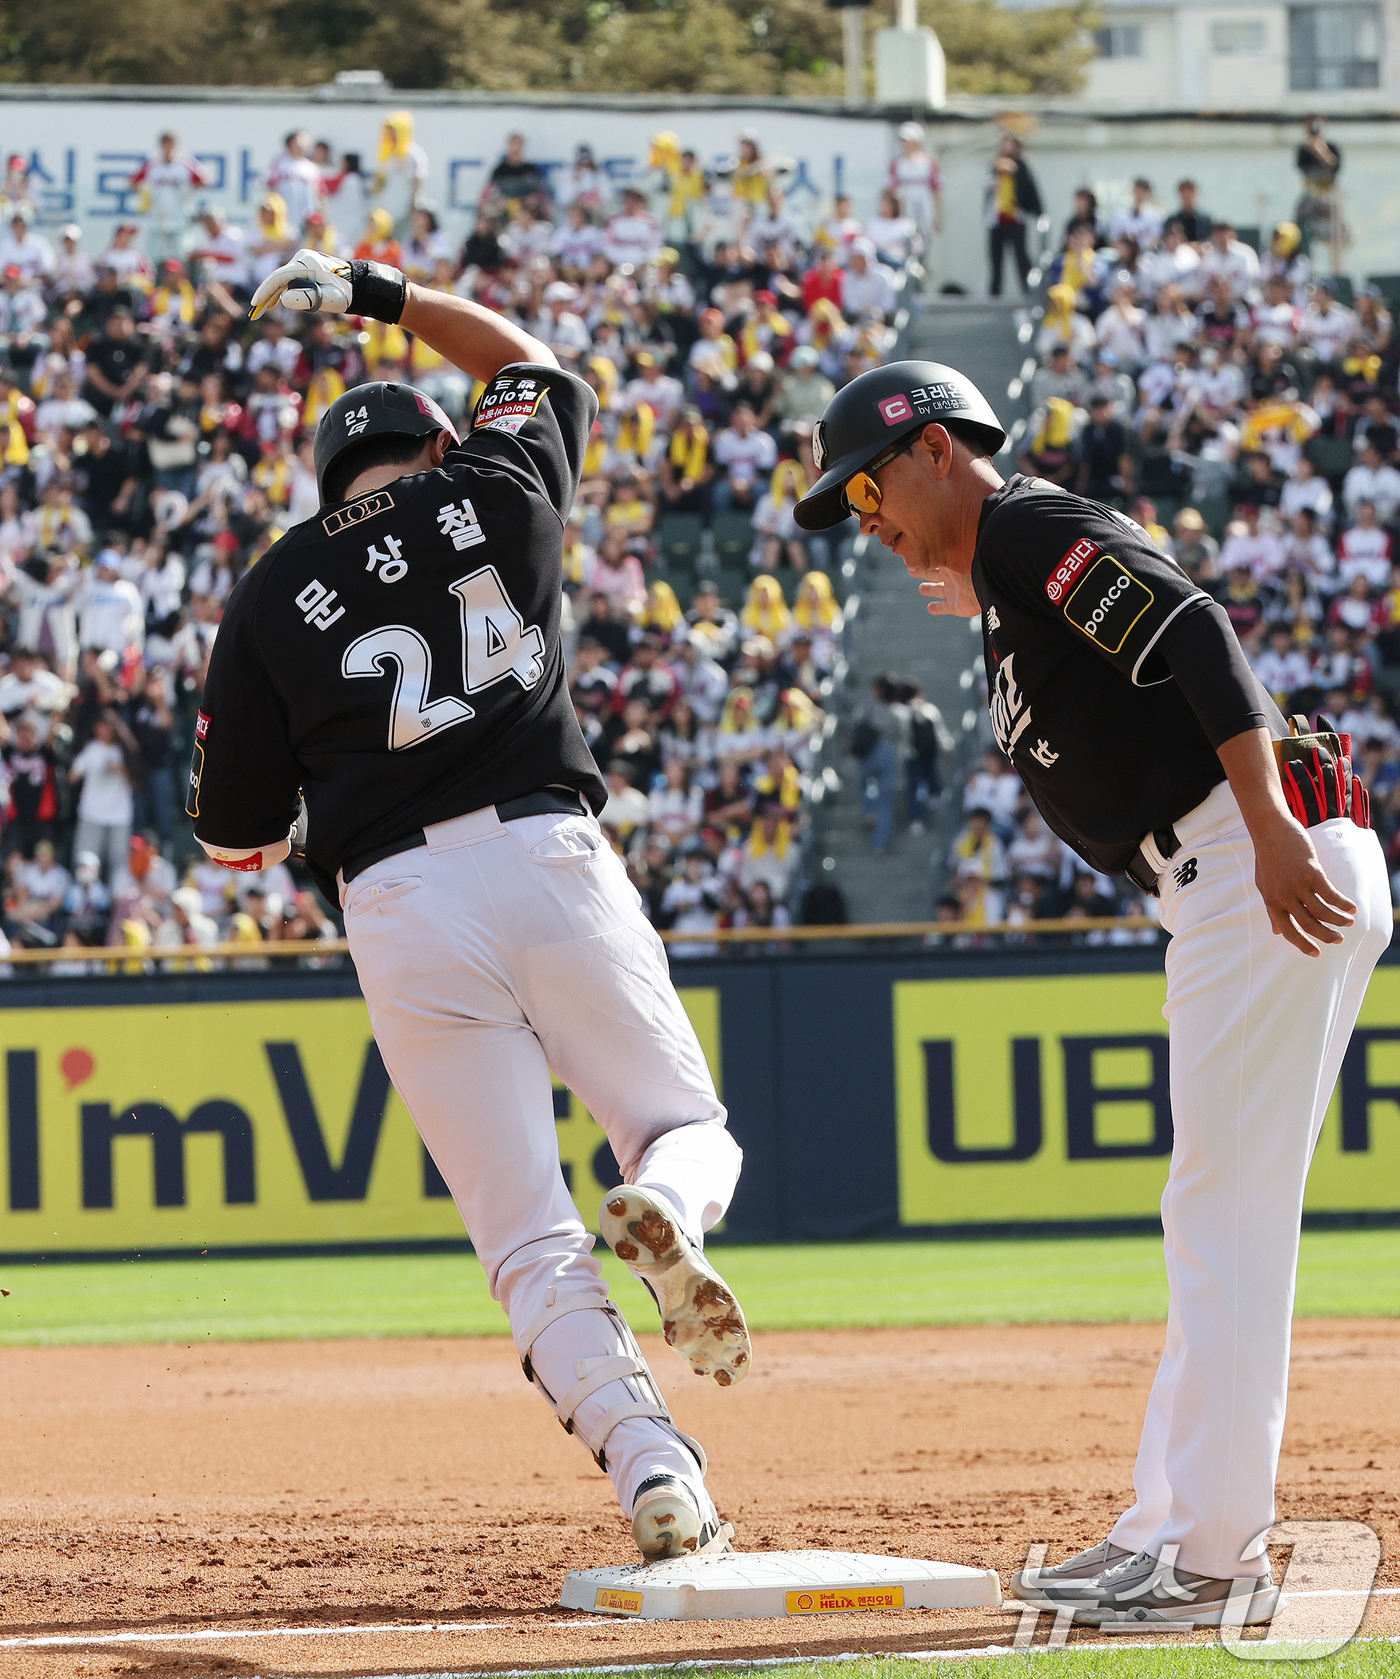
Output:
x=1365 y=1659
x=829 y=1286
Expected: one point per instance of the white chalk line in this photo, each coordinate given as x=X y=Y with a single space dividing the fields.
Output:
x=796 y=1661
x=49 y=1640
x=66 y=1640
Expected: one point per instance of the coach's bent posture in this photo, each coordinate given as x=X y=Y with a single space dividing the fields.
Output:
x=395 y=662
x=1120 y=693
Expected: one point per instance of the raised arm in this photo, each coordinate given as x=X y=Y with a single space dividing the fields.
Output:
x=477 y=340
x=474 y=339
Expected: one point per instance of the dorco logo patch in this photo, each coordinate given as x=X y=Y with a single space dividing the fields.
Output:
x=894 y=409
x=1107 y=602
x=1070 y=567
x=357 y=511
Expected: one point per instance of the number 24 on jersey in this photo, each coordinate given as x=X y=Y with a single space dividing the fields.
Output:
x=496 y=643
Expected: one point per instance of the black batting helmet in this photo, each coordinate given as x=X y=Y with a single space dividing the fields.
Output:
x=376 y=410
x=880 y=408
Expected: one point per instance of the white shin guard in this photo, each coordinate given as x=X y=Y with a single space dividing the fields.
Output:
x=594 y=1351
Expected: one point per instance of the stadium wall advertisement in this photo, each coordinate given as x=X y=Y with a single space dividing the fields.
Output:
x=83 y=148
x=870 y=1094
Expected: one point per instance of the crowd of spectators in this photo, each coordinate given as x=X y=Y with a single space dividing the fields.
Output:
x=154 y=444
x=1229 y=401
x=706 y=723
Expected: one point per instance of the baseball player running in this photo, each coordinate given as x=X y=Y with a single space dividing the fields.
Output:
x=395 y=663
x=1121 y=695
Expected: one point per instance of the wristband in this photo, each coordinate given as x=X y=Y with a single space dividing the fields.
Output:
x=377 y=290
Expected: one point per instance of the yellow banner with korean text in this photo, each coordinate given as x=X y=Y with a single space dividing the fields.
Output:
x=234 y=1124
x=1046 y=1099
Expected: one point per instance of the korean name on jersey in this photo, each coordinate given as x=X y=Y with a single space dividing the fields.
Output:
x=397 y=657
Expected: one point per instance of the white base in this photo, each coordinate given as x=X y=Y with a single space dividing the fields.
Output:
x=756 y=1585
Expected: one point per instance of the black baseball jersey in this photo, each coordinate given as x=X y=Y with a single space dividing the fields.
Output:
x=1092 y=639
x=396 y=659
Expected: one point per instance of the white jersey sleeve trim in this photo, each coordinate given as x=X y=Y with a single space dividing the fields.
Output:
x=1157 y=636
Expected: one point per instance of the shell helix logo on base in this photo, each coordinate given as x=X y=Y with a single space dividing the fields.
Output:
x=618 y=1603
x=845 y=1598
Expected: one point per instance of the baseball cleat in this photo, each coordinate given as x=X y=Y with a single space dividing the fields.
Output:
x=1029 y=1583
x=1137 y=1594
x=666 y=1522
x=700 y=1317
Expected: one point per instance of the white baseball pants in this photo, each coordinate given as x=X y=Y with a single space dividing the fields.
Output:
x=498 y=952
x=1258 y=1031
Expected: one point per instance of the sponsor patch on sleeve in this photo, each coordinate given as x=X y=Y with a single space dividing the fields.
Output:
x=1107 y=602
x=201 y=734
x=508 y=401
x=1062 y=578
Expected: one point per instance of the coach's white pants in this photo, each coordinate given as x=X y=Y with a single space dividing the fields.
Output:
x=498 y=952
x=1258 y=1031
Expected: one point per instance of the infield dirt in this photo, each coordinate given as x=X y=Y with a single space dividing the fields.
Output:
x=162 y=1489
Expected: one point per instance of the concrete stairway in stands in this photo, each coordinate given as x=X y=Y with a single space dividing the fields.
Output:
x=891 y=631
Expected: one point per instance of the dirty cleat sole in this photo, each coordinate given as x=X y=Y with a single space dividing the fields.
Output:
x=701 y=1319
x=666 y=1522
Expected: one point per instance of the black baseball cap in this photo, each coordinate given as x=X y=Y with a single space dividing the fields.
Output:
x=878 y=409
x=374 y=410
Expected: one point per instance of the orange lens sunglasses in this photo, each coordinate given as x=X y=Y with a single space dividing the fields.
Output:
x=862 y=493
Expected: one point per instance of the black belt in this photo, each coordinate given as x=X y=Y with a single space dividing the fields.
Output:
x=548 y=801
x=1140 y=871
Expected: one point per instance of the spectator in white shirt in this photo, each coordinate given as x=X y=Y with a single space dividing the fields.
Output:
x=1365 y=549
x=111 y=616
x=1327 y=327
x=295 y=178
x=1307 y=550
x=996 y=788
x=578 y=241
x=891 y=233
x=29 y=686
x=1260 y=552
x=125 y=257
x=104 y=804
x=1120 y=327
x=662 y=394
x=22 y=310
x=559 y=323
x=1282 y=666
x=1278 y=318
x=1229 y=258
x=276 y=346
x=746 y=454
x=1307 y=489
x=63 y=407
x=1140 y=220
x=26 y=250
x=632 y=235
x=223 y=249
x=1373 y=479
x=1173 y=262
x=73 y=269
x=866 y=283
x=45 y=881
x=168 y=179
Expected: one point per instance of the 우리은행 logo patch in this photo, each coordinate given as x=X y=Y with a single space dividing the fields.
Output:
x=1070 y=567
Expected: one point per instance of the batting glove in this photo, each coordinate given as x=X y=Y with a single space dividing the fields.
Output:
x=311 y=280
